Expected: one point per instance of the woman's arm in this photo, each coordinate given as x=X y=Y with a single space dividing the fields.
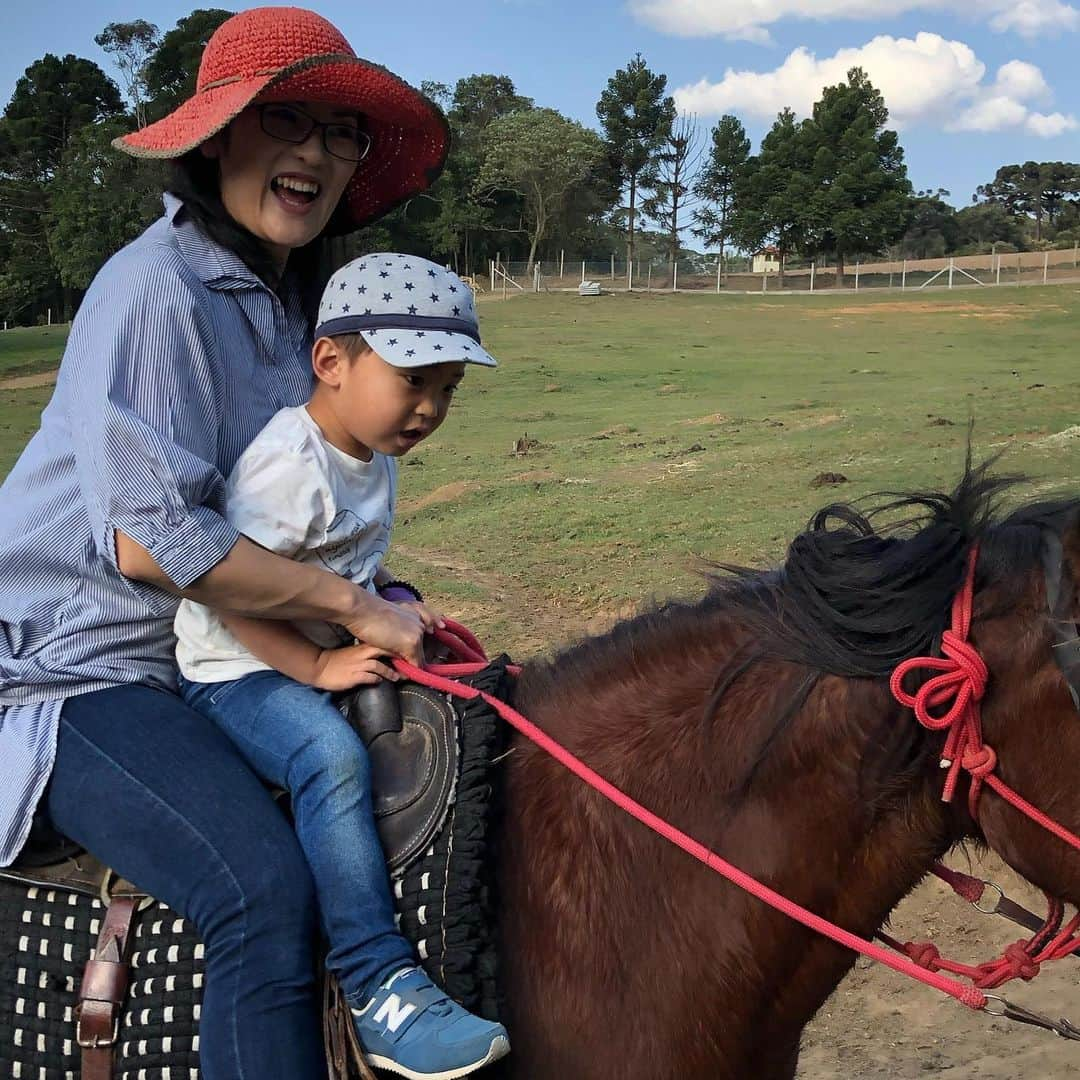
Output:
x=253 y=581
x=286 y=650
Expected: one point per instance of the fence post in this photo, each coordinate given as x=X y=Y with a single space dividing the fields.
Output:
x=49 y=317
x=562 y=262
x=613 y=266
x=674 y=277
x=765 y=281
x=903 y=277
x=813 y=267
x=950 y=271
x=997 y=272
x=649 y=286
x=583 y=271
x=492 y=262
x=718 y=265
x=629 y=275
x=1046 y=266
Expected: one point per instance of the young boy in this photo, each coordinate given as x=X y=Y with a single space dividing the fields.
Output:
x=318 y=484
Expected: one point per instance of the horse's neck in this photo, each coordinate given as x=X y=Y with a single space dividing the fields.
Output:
x=832 y=810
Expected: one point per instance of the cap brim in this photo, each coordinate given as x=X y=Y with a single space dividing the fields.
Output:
x=419 y=348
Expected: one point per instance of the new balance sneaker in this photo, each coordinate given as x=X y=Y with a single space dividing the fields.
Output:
x=410 y=1027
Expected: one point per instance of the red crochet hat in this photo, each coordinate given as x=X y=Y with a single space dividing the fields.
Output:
x=289 y=54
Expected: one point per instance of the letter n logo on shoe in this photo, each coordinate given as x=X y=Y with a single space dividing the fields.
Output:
x=393 y=1013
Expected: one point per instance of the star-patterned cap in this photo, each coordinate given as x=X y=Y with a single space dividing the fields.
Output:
x=412 y=312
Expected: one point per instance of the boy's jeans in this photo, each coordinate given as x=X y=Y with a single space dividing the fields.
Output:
x=294 y=737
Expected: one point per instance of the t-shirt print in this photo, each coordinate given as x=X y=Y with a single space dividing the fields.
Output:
x=353 y=547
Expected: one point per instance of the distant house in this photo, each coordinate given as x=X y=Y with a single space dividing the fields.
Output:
x=767 y=261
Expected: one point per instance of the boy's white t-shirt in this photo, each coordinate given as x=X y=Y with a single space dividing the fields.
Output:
x=293 y=492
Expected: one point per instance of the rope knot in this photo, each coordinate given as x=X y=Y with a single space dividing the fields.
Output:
x=1020 y=963
x=980 y=761
x=967 y=663
x=924 y=954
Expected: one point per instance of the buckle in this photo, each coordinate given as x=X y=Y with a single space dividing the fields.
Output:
x=95 y=1041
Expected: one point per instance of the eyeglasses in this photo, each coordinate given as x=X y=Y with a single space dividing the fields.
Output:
x=292 y=125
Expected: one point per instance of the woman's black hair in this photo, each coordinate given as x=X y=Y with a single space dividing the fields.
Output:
x=195 y=180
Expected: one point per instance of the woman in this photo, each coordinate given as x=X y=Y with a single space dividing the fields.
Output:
x=188 y=341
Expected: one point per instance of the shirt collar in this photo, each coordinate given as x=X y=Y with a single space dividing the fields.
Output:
x=216 y=266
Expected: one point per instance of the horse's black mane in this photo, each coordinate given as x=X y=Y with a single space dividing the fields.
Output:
x=854 y=599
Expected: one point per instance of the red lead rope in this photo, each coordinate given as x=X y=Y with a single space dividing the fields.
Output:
x=456 y=635
x=948 y=701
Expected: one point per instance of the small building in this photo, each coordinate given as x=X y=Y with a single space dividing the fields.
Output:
x=767 y=261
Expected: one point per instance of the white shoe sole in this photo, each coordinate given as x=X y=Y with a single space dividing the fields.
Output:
x=500 y=1047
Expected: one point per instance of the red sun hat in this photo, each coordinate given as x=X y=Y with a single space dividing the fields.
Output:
x=290 y=54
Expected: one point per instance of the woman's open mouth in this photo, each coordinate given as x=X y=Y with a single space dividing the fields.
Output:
x=295 y=192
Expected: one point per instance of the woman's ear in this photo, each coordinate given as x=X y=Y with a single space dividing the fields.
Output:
x=327 y=359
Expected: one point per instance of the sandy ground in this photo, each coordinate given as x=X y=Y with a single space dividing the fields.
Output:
x=28 y=382
x=882 y=1024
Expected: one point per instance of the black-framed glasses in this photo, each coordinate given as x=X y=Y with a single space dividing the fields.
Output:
x=293 y=125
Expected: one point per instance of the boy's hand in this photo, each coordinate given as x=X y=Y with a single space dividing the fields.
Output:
x=352 y=665
x=429 y=616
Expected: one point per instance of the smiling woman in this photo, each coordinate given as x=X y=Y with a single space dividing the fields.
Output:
x=187 y=343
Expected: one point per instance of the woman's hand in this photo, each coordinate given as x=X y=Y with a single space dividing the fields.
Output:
x=393 y=629
x=352 y=665
x=431 y=617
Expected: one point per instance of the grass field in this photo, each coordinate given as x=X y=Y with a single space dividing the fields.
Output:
x=652 y=431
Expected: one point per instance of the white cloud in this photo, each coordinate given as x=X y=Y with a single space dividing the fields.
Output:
x=749 y=20
x=1048 y=127
x=925 y=79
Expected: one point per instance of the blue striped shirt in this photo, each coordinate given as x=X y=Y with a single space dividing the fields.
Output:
x=179 y=355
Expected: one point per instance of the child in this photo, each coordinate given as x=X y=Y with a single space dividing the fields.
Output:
x=318 y=484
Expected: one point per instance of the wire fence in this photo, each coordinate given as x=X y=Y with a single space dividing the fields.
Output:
x=704 y=274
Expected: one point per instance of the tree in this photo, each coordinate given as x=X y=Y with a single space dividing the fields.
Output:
x=774 y=193
x=636 y=117
x=933 y=231
x=131 y=44
x=542 y=156
x=480 y=99
x=671 y=191
x=988 y=225
x=861 y=193
x=100 y=200
x=52 y=102
x=718 y=182
x=53 y=99
x=169 y=75
x=1035 y=189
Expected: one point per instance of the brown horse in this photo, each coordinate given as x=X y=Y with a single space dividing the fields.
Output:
x=760 y=722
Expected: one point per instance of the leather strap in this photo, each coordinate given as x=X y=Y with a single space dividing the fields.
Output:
x=103 y=992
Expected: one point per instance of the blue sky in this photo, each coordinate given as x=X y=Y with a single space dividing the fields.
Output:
x=972 y=84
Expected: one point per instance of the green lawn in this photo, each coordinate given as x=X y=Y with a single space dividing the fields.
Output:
x=660 y=429
x=29 y=350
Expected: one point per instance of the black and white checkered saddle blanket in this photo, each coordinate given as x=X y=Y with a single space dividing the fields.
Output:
x=49 y=923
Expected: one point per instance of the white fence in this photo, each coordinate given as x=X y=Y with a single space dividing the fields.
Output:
x=704 y=274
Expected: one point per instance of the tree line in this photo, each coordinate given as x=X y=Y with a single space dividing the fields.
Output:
x=522 y=181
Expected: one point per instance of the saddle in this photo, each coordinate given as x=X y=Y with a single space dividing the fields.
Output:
x=428 y=754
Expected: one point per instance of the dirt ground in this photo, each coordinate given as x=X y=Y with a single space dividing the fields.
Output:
x=882 y=1024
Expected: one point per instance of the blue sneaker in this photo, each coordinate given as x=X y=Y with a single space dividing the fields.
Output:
x=410 y=1027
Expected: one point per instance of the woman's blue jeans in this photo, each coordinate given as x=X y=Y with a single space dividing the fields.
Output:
x=157 y=792
x=294 y=737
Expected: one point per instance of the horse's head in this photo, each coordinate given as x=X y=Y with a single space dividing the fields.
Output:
x=1026 y=630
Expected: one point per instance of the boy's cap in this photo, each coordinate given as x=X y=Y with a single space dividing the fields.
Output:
x=412 y=312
